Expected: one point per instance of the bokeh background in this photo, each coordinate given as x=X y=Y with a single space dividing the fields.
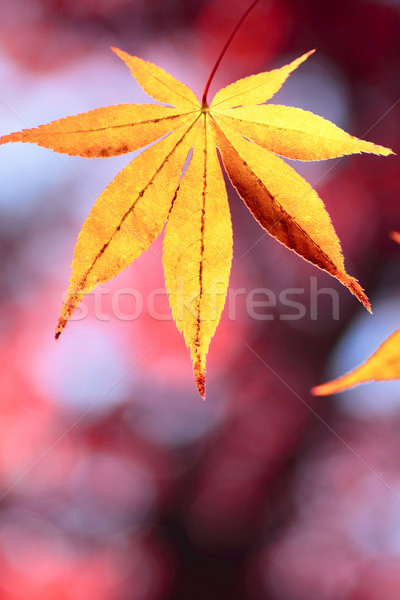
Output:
x=116 y=481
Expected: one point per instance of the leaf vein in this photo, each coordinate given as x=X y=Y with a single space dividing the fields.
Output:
x=132 y=207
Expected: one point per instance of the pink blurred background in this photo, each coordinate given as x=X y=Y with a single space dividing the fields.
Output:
x=116 y=481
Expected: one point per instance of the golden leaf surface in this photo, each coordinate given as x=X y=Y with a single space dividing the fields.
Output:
x=197 y=250
x=155 y=189
x=384 y=364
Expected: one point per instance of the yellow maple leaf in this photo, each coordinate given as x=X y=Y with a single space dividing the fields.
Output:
x=151 y=190
x=384 y=364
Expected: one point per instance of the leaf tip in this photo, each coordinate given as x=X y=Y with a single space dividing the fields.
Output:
x=11 y=137
x=297 y=62
x=60 y=327
x=336 y=386
x=319 y=390
x=121 y=53
x=304 y=57
x=68 y=308
x=370 y=148
x=367 y=305
x=356 y=289
x=201 y=384
x=383 y=151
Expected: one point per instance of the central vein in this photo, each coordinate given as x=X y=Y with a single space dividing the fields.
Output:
x=202 y=227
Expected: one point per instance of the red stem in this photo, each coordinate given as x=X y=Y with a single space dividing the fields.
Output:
x=224 y=49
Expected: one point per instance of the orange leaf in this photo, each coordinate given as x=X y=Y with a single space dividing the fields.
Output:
x=150 y=191
x=284 y=204
x=384 y=364
x=103 y=132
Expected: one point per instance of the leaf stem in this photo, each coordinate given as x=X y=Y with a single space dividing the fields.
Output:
x=224 y=49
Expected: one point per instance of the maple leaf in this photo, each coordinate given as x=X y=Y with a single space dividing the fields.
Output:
x=152 y=191
x=384 y=364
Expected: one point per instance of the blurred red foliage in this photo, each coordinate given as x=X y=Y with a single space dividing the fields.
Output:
x=151 y=494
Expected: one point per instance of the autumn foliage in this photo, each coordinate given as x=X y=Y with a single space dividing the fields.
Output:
x=115 y=482
x=383 y=364
x=151 y=190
